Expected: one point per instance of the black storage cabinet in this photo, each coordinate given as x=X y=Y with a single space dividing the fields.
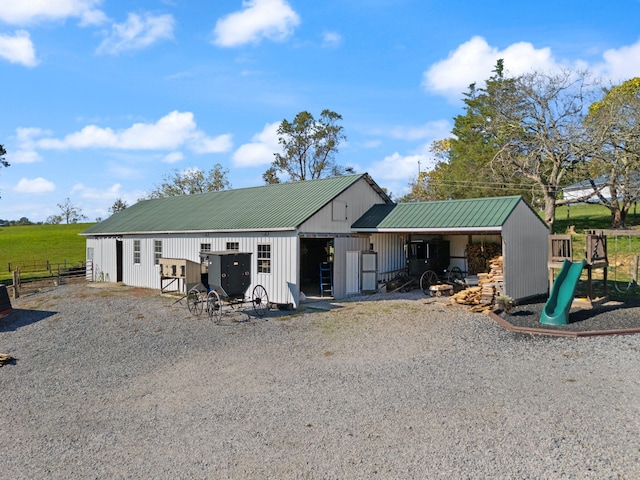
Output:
x=229 y=273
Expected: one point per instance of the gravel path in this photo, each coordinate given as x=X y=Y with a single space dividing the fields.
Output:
x=122 y=383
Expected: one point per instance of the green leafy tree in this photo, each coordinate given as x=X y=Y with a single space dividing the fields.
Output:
x=309 y=148
x=475 y=143
x=538 y=128
x=118 y=206
x=465 y=161
x=431 y=185
x=613 y=130
x=192 y=181
x=53 y=219
x=3 y=161
x=69 y=212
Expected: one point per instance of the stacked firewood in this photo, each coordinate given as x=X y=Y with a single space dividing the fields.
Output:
x=481 y=298
x=479 y=255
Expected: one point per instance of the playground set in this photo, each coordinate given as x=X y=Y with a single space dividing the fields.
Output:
x=563 y=288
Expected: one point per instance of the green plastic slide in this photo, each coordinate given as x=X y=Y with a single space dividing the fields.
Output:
x=556 y=310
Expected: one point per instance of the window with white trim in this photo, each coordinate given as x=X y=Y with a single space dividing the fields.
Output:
x=136 y=252
x=264 y=258
x=157 y=251
x=233 y=246
x=205 y=247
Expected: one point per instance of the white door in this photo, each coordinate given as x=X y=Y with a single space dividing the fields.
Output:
x=369 y=271
x=353 y=273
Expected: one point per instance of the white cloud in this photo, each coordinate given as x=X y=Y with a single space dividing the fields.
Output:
x=172 y=131
x=432 y=130
x=474 y=60
x=260 y=151
x=25 y=151
x=621 y=64
x=400 y=167
x=25 y=12
x=173 y=157
x=37 y=185
x=18 y=48
x=203 y=144
x=331 y=39
x=271 y=19
x=137 y=33
x=24 y=156
x=25 y=135
x=83 y=191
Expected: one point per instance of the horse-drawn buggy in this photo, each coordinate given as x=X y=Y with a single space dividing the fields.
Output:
x=225 y=279
x=428 y=267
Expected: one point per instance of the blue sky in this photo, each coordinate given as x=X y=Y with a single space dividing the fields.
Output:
x=101 y=98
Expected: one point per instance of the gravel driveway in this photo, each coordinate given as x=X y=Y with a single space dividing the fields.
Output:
x=116 y=382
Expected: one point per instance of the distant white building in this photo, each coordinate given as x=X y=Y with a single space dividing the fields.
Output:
x=584 y=191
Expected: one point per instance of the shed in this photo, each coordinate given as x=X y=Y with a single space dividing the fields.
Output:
x=290 y=229
x=508 y=222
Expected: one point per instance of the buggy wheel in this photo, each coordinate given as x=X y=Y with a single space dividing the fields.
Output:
x=455 y=274
x=427 y=279
x=260 y=300
x=214 y=306
x=194 y=304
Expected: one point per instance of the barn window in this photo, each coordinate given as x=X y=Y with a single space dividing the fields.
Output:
x=205 y=247
x=136 y=252
x=264 y=258
x=233 y=246
x=157 y=251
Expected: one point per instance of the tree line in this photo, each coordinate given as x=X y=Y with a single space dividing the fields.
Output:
x=536 y=133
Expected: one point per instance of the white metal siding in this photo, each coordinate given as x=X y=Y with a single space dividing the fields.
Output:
x=104 y=258
x=391 y=256
x=145 y=274
x=525 y=251
x=358 y=198
x=342 y=246
x=281 y=283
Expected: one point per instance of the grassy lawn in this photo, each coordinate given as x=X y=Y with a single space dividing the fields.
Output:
x=621 y=249
x=28 y=244
x=589 y=216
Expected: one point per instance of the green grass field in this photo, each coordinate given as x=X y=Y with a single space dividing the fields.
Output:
x=597 y=217
x=22 y=246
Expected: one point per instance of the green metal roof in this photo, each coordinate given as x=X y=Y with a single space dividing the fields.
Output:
x=476 y=213
x=272 y=207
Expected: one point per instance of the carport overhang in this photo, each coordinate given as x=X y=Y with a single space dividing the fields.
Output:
x=434 y=231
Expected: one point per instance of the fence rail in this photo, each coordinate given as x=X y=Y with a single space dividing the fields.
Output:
x=31 y=276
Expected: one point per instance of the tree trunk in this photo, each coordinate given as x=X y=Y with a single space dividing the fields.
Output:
x=617 y=218
x=550 y=209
